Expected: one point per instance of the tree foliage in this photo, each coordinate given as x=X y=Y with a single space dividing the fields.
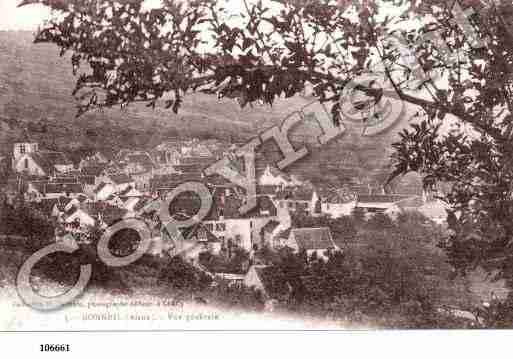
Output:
x=124 y=52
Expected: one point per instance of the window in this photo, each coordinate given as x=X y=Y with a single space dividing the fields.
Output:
x=23 y=149
x=202 y=235
x=26 y=163
x=220 y=227
x=209 y=226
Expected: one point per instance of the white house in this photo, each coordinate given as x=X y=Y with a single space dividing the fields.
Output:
x=78 y=215
x=226 y=223
x=273 y=177
x=42 y=163
x=120 y=181
x=21 y=149
x=296 y=199
x=387 y=204
x=104 y=191
x=435 y=211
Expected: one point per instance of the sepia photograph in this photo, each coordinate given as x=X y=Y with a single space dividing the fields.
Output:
x=255 y=165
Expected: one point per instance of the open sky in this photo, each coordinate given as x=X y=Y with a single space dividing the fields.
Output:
x=29 y=17
x=25 y=18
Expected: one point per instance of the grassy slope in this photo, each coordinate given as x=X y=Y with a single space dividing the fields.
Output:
x=36 y=83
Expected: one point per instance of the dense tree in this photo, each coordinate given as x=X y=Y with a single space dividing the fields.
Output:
x=462 y=72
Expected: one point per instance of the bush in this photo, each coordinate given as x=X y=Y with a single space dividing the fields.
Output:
x=178 y=274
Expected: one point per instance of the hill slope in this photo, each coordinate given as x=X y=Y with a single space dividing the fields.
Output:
x=36 y=102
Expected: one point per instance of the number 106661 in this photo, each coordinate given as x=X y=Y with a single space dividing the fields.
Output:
x=55 y=347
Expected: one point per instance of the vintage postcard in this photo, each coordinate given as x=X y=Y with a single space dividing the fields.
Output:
x=171 y=165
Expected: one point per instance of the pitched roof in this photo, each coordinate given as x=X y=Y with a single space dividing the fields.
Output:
x=100 y=187
x=120 y=178
x=63 y=188
x=171 y=181
x=46 y=205
x=37 y=185
x=93 y=170
x=57 y=158
x=303 y=193
x=141 y=160
x=127 y=190
x=270 y=226
x=270 y=190
x=82 y=198
x=228 y=208
x=381 y=198
x=89 y=180
x=141 y=203
x=313 y=238
x=110 y=214
x=74 y=210
x=200 y=161
x=48 y=160
x=42 y=162
x=200 y=231
x=337 y=195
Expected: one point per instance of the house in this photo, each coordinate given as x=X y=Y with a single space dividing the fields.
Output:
x=139 y=166
x=194 y=148
x=135 y=205
x=21 y=149
x=95 y=171
x=130 y=203
x=162 y=184
x=166 y=157
x=97 y=159
x=435 y=211
x=76 y=202
x=130 y=192
x=233 y=228
x=36 y=190
x=386 y=204
x=80 y=217
x=297 y=199
x=52 y=207
x=199 y=233
x=55 y=190
x=120 y=181
x=312 y=240
x=105 y=213
x=42 y=164
x=267 y=233
x=337 y=202
x=269 y=190
x=233 y=279
x=104 y=191
x=168 y=153
x=273 y=177
x=115 y=200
